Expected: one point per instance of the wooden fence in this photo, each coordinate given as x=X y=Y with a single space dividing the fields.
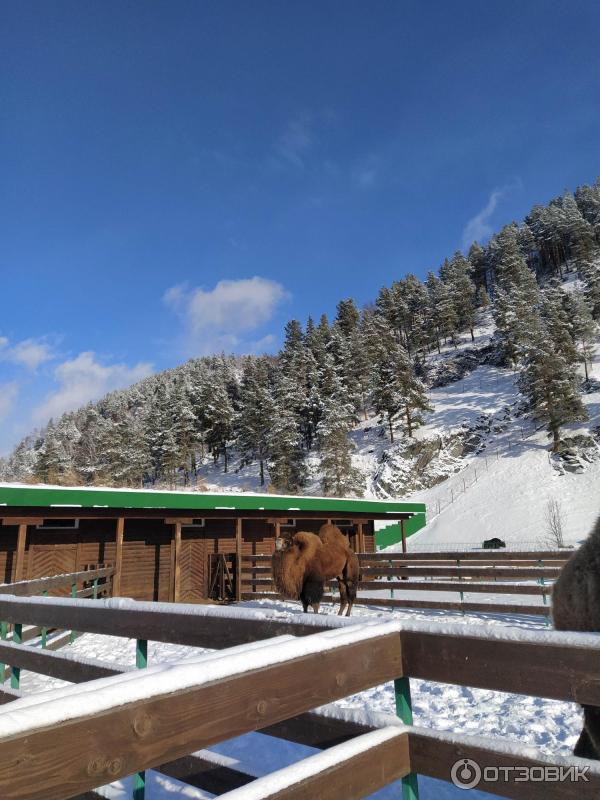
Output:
x=518 y=574
x=274 y=685
x=95 y=582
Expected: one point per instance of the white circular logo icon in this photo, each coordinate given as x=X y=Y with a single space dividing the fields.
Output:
x=466 y=773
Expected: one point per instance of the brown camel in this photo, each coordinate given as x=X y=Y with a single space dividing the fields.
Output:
x=304 y=562
x=576 y=607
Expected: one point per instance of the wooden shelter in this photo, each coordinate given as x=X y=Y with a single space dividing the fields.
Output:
x=178 y=546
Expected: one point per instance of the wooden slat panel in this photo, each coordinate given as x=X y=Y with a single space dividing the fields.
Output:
x=168 y=726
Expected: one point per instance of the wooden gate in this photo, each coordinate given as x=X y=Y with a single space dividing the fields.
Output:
x=221 y=576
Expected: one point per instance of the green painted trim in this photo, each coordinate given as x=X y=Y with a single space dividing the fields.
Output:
x=31 y=496
x=15 y=673
x=410 y=786
x=141 y=653
x=141 y=662
x=392 y=534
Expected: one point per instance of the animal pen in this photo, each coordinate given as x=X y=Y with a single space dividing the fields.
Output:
x=169 y=546
x=263 y=672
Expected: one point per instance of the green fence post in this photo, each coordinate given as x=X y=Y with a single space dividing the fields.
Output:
x=141 y=662
x=74 y=595
x=15 y=675
x=95 y=591
x=3 y=634
x=44 y=629
x=410 y=786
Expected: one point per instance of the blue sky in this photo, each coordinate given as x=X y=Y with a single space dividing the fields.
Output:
x=179 y=177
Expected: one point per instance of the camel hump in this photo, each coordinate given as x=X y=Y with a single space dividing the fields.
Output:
x=330 y=534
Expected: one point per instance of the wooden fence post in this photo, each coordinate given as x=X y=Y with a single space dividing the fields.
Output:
x=177 y=578
x=410 y=786
x=20 y=552
x=238 y=559
x=118 y=557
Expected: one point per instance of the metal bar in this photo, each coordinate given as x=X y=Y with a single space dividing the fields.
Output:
x=44 y=628
x=141 y=662
x=15 y=673
x=410 y=786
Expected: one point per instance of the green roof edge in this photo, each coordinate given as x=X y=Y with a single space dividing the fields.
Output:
x=34 y=496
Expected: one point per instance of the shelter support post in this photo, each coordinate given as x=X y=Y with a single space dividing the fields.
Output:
x=410 y=787
x=118 y=557
x=238 y=559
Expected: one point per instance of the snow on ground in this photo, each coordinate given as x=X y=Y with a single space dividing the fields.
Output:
x=550 y=725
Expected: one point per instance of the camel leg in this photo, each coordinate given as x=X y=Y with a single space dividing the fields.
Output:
x=343 y=596
x=315 y=607
x=590 y=735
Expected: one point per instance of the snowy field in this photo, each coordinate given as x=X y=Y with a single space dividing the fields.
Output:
x=549 y=725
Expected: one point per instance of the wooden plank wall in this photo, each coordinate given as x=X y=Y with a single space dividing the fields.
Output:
x=147 y=552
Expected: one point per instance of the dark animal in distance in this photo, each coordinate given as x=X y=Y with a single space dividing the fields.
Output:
x=493 y=544
x=303 y=563
x=576 y=607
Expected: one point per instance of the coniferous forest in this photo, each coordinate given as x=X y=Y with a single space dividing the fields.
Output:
x=276 y=411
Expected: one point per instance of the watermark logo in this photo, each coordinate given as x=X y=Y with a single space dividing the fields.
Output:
x=467 y=774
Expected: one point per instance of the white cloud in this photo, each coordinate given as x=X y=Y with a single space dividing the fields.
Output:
x=214 y=320
x=296 y=139
x=8 y=396
x=29 y=353
x=479 y=228
x=83 y=379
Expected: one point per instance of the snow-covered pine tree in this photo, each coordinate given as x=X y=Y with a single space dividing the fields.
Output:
x=255 y=418
x=553 y=309
x=218 y=414
x=549 y=382
x=52 y=461
x=347 y=316
x=463 y=292
x=397 y=392
x=339 y=477
x=287 y=469
x=584 y=327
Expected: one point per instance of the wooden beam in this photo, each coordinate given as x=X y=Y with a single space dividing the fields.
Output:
x=180 y=520
x=118 y=557
x=238 y=560
x=361 y=537
x=55 y=665
x=38 y=585
x=168 y=725
x=21 y=520
x=21 y=540
x=403 y=532
x=177 y=572
x=354 y=770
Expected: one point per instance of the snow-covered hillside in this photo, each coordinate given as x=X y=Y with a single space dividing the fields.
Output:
x=481 y=464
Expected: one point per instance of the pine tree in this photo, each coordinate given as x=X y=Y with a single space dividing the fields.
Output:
x=462 y=292
x=52 y=461
x=347 y=316
x=585 y=330
x=550 y=383
x=397 y=391
x=340 y=478
x=255 y=418
x=286 y=458
x=219 y=416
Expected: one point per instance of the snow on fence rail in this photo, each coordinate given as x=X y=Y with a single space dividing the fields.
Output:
x=520 y=574
x=121 y=722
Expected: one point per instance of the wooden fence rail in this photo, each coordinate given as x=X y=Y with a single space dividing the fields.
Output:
x=527 y=573
x=160 y=727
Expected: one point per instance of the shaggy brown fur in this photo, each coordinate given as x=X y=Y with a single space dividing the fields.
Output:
x=306 y=562
x=348 y=581
x=576 y=607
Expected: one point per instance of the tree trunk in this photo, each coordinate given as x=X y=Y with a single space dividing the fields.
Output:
x=585 y=368
x=555 y=438
x=472 y=335
x=391 y=430
x=225 y=457
x=262 y=473
x=408 y=422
